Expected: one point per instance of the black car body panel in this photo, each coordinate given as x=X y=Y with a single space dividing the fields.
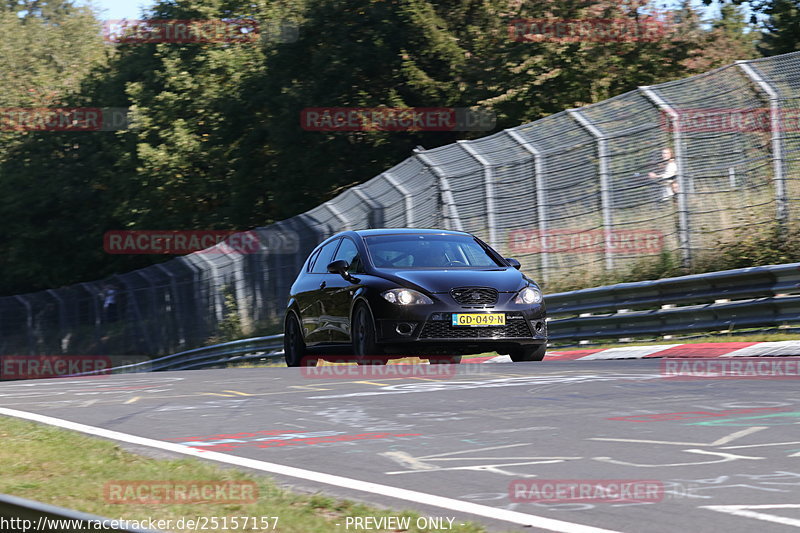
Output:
x=324 y=302
x=503 y=279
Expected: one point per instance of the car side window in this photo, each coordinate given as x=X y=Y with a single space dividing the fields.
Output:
x=311 y=259
x=324 y=257
x=349 y=252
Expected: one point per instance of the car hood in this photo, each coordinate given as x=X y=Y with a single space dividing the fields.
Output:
x=441 y=281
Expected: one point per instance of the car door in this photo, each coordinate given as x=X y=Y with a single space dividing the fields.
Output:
x=303 y=292
x=317 y=320
x=338 y=292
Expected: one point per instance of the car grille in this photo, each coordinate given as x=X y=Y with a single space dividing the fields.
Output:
x=443 y=330
x=474 y=295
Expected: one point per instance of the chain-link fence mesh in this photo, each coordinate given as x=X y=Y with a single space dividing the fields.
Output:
x=674 y=168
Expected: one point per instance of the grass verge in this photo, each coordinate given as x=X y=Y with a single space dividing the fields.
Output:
x=71 y=470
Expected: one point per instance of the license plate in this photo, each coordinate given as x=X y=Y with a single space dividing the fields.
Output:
x=479 y=319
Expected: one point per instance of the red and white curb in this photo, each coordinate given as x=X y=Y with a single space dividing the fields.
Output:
x=697 y=350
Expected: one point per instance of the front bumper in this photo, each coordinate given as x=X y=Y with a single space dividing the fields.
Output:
x=430 y=326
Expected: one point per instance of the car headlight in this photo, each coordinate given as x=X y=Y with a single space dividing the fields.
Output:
x=529 y=296
x=405 y=297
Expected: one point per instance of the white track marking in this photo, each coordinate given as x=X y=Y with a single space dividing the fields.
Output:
x=499 y=359
x=515 y=517
x=759 y=445
x=724 y=440
x=738 y=434
x=775 y=348
x=462 y=452
x=495 y=468
x=726 y=458
x=627 y=352
x=745 y=511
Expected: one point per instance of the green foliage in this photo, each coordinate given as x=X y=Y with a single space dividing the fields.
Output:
x=230 y=327
x=769 y=245
x=766 y=246
x=782 y=28
x=778 y=31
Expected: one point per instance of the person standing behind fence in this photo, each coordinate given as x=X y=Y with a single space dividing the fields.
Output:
x=666 y=174
x=110 y=303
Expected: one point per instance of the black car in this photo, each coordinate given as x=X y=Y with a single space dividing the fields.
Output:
x=382 y=293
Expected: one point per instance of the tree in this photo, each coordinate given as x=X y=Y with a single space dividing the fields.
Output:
x=47 y=48
x=394 y=53
x=730 y=38
x=782 y=28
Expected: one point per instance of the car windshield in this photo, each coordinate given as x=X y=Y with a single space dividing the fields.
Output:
x=415 y=250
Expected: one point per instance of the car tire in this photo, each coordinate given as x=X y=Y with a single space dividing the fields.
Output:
x=445 y=360
x=294 y=346
x=535 y=352
x=365 y=348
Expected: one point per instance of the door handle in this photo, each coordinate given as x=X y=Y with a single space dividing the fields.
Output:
x=322 y=285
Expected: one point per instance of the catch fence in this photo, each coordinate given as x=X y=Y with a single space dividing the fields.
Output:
x=675 y=168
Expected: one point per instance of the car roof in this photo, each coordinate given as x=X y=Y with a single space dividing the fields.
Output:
x=400 y=231
x=392 y=231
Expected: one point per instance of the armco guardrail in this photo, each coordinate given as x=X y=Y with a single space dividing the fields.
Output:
x=220 y=354
x=742 y=298
x=19 y=514
x=258 y=348
x=767 y=296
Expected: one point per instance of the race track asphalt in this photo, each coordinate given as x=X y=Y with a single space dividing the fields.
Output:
x=715 y=447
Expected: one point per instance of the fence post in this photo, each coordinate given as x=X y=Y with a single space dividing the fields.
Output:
x=777 y=140
x=96 y=309
x=541 y=196
x=28 y=324
x=146 y=326
x=488 y=186
x=62 y=316
x=409 y=201
x=449 y=203
x=175 y=303
x=605 y=189
x=684 y=241
x=339 y=216
x=219 y=307
x=375 y=217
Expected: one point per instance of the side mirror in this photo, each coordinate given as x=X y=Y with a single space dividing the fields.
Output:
x=338 y=267
x=513 y=262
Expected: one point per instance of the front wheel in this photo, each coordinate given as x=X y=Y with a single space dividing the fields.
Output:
x=528 y=353
x=294 y=346
x=365 y=348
